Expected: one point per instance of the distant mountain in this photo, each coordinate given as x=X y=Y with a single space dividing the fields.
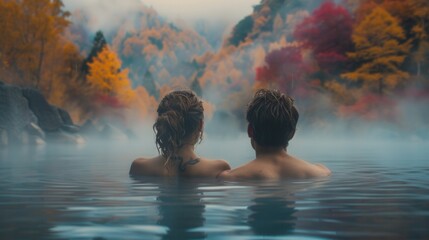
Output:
x=227 y=76
x=264 y=18
x=157 y=52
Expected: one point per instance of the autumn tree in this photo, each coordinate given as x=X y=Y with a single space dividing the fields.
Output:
x=98 y=45
x=327 y=32
x=285 y=69
x=413 y=16
x=110 y=84
x=380 y=52
x=30 y=31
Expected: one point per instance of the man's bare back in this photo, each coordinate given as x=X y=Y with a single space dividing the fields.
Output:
x=272 y=119
x=276 y=166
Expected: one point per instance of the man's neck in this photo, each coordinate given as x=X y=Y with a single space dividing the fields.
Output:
x=269 y=151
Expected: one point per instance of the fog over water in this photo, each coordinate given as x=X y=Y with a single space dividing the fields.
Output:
x=376 y=143
x=319 y=116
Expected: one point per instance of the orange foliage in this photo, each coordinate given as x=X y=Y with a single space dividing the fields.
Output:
x=29 y=38
x=109 y=83
x=378 y=46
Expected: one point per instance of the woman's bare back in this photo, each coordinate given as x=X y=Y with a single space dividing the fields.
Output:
x=190 y=168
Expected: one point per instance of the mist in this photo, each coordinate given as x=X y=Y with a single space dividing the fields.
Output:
x=225 y=51
x=80 y=85
x=209 y=18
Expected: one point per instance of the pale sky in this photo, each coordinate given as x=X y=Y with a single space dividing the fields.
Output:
x=211 y=10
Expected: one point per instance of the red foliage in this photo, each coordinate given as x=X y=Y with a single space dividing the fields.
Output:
x=328 y=33
x=109 y=101
x=284 y=67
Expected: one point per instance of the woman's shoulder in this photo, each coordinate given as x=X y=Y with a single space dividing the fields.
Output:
x=142 y=165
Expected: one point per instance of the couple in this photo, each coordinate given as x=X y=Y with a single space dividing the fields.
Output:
x=272 y=119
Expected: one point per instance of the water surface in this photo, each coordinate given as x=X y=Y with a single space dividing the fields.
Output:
x=379 y=189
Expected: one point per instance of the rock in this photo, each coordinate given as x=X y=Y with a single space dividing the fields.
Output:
x=35 y=130
x=25 y=116
x=70 y=128
x=65 y=116
x=68 y=125
x=48 y=117
x=15 y=112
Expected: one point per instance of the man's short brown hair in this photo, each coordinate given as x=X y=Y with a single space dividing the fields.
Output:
x=273 y=118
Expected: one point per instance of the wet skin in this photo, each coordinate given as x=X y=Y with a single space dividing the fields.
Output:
x=184 y=164
x=273 y=164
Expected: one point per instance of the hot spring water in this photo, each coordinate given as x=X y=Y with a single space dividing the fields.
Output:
x=378 y=189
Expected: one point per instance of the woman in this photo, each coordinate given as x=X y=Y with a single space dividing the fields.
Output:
x=178 y=128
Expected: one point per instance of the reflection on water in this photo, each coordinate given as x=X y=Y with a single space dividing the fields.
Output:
x=85 y=193
x=181 y=210
x=272 y=216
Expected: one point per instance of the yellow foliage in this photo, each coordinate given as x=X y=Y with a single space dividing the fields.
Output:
x=106 y=77
x=378 y=46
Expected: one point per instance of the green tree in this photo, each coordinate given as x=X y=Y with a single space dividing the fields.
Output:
x=379 y=52
x=241 y=31
x=98 y=45
x=420 y=12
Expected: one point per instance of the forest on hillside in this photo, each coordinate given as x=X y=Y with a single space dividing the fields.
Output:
x=365 y=59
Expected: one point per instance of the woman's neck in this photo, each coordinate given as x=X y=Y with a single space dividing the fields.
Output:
x=186 y=152
x=184 y=157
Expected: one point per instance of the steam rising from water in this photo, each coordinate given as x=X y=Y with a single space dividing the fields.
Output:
x=318 y=122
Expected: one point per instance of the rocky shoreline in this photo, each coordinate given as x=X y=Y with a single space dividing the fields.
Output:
x=26 y=117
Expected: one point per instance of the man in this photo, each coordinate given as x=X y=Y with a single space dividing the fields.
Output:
x=272 y=121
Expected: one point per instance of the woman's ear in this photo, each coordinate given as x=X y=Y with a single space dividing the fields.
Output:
x=250 y=131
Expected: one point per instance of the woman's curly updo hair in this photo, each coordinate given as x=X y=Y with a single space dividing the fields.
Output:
x=179 y=116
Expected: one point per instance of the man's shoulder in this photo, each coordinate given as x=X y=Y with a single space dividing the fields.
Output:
x=217 y=165
x=249 y=170
x=299 y=168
